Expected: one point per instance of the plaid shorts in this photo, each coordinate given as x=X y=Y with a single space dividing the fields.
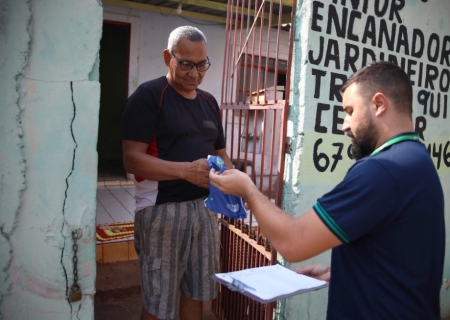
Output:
x=178 y=248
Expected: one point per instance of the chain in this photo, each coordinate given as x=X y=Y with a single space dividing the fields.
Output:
x=76 y=234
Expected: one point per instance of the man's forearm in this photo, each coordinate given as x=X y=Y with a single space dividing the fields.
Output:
x=152 y=168
x=272 y=220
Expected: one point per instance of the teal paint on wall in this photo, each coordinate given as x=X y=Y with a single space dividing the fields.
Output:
x=49 y=120
x=12 y=162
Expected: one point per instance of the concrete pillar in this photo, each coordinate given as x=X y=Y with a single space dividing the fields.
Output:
x=49 y=97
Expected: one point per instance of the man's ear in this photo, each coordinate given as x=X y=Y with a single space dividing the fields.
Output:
x=380 y=102
x=166 y=55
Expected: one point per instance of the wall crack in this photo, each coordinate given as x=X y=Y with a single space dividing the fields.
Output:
x=63 y=232
x=8 y=226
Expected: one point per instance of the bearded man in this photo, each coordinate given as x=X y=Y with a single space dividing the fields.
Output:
x=384 y=221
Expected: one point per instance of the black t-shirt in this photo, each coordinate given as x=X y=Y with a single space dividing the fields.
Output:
x=176 y=129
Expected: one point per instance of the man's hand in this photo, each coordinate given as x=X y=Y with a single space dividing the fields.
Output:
x=231 y=181
x=198 y=173
x=318 y=271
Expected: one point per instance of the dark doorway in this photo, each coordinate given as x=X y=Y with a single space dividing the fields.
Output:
x=114 y=61
x=281 y=81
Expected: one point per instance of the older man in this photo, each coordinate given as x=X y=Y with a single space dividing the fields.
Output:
x=169 y=128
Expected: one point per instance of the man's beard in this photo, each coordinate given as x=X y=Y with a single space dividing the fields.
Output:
x=365 y=143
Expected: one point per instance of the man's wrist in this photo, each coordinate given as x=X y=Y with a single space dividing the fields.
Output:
x=183 y=169
x=251 y=194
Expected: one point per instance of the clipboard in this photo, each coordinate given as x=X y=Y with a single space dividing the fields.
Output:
x=269 y=283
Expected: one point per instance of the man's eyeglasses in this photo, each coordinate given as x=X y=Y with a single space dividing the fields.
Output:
x=186 y=65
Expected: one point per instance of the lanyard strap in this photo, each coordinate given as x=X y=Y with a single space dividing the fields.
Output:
x=405 y=137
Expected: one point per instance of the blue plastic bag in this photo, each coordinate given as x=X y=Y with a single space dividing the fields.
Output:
x=217 y=201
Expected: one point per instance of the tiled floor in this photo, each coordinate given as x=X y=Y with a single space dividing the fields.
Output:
x=115 y=201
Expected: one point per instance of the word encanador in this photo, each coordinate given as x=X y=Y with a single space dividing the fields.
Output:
x=414 y=44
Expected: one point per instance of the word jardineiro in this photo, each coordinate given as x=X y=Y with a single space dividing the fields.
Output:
x=379 y=33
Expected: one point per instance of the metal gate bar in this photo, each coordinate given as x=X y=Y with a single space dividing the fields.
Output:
x=254 y=100
x=242 y=253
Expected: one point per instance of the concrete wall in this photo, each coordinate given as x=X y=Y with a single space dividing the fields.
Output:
x=49 y=103
x=49 y=100
x=325 y=54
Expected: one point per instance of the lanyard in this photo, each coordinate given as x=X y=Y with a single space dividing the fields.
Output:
x=412 y=136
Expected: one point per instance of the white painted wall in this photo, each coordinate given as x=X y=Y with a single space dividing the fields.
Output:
x=304 y=182
x=150 y=32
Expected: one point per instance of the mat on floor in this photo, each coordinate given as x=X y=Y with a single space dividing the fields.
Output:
x=114 y=231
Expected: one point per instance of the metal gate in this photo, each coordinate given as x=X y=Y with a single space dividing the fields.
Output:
x=255 y=92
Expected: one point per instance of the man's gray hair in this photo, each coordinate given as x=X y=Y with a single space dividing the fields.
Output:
x=186 y=32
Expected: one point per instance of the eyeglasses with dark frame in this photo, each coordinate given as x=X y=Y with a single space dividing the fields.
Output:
x=186 y=65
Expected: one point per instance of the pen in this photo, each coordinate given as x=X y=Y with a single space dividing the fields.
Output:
x=239 y=286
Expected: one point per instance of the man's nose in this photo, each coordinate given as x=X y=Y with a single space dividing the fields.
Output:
x=193 y=72
x=346 y=124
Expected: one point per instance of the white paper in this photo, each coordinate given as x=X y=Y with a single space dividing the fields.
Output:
x=269 y=283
